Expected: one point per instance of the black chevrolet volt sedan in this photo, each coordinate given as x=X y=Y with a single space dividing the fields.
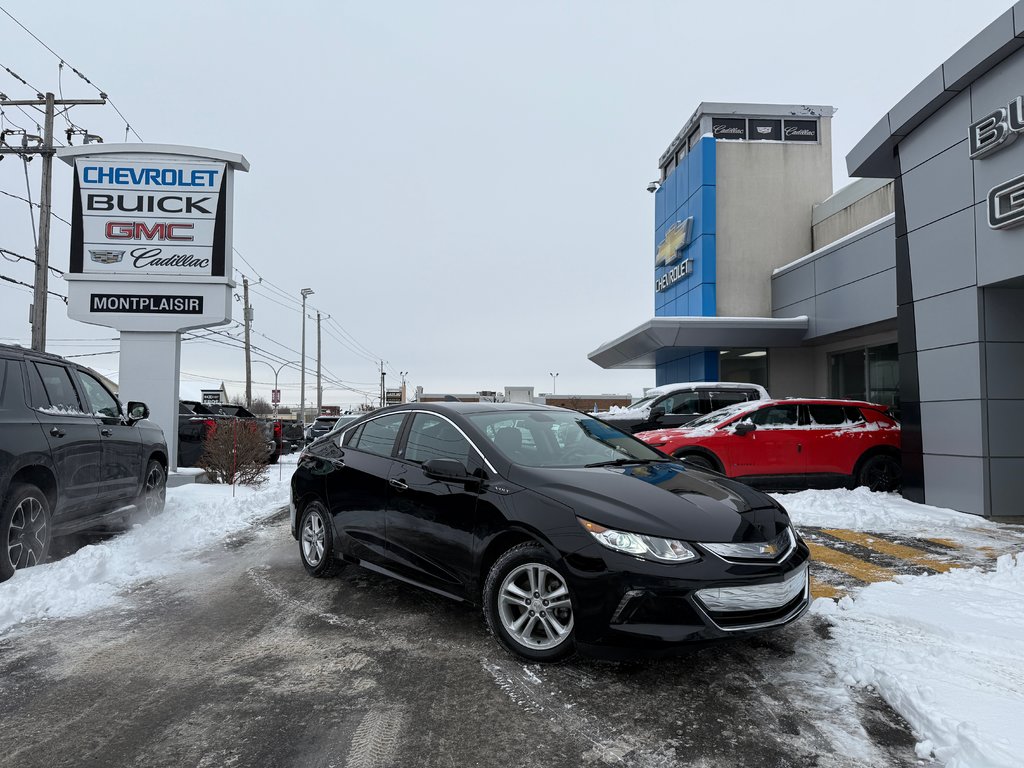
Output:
x=567 y=532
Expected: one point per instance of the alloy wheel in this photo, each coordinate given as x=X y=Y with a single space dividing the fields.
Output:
x=313 y=538
x=156 y=491
x=27 y=535
x=534 y=606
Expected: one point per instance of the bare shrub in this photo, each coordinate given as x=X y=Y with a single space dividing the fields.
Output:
x=234 y=452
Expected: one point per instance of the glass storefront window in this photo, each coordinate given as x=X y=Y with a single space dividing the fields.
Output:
x=869 y=373
x=743 y=365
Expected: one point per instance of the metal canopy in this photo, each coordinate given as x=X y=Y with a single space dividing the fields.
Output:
x=640 y=347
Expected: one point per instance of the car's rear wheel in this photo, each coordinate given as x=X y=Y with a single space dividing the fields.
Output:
x=528 y=606
x=316 y=542
x=24 y=529
x=881 y=473
x=697 y=461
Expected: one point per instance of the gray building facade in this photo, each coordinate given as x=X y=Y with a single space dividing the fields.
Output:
x=959 y=258
x=913 y=291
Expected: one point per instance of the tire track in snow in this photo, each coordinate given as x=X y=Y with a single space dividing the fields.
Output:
x=376 y=739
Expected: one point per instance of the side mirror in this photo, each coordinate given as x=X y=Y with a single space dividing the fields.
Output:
x=137 y=411
x=657 y=413
x=448 y=470
x=744 y=428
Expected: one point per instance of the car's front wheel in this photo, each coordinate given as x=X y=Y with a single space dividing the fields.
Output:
x=316 y=542
x=528 y=606
x=24 y=529
x=154 y=492
x=697 y=461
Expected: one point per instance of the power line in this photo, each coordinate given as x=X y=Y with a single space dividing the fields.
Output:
x=60 y=296
x=18 y=257
x=34 y=205
x=63 y=61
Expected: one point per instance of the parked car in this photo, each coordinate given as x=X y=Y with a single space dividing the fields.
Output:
x=793 y=443
x=71 y=457
x=321 y=425
x=672 y=405
x=196 y=420
x=566 y=531
x=271 y=428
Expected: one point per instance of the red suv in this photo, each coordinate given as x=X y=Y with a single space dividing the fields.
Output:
x=791 y=444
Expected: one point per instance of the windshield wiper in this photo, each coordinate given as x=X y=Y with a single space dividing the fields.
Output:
x=623 y=462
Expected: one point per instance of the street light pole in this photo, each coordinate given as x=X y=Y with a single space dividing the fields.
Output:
x=277 y=371
x=302 y=386
x=554 y=383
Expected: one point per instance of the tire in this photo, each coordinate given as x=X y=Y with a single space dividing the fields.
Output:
x=24 y=529
x=697 y=461
x=150 y=502
x=881 y=472
x=531 y=631
x=316 y=542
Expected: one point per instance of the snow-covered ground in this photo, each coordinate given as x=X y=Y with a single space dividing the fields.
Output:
x=944 y=650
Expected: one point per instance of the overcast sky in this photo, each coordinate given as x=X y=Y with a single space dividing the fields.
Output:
x=461 y=183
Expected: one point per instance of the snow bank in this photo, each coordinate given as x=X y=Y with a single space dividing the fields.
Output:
x=196 y=517
x=945 y=652
x=863 y=510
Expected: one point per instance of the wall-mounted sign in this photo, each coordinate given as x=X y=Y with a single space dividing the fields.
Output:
x=676 y=239
x=996 y=130
x=729 y=127
x=152 y=217
x=988 y=135
x=764 y=130
x=674 y=275
x=392 y=396
x=800 y=130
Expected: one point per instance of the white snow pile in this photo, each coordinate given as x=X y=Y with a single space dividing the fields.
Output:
x=196 y=516
x=863 y=510
x=945 y=652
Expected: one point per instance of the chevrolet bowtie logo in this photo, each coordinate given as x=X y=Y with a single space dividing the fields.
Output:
x=676 y=239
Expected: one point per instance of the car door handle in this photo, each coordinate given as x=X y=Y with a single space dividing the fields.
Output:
x=399 y=484
x=56 y=431
x=339 y=463
x=106 y=432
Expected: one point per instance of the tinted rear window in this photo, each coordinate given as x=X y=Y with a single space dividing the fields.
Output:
x=829 y=415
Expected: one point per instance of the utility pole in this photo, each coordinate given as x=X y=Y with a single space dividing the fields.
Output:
x=306 y=292
x=319 y=382
x=45 y=148
x=247 y=317
x=381 y=383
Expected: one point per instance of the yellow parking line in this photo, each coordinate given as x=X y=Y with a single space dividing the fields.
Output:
x=948 y=543
x=901 y=551
x=851 y=566
x=821 y=589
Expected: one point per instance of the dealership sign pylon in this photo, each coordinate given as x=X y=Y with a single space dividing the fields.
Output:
x=151 y=256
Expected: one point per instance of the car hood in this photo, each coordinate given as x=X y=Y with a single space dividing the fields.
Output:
x=662 y=499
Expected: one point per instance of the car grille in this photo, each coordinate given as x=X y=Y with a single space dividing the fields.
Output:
x=777 y=550
x=755 y=604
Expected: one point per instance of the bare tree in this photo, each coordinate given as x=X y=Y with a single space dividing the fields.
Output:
x=261 y=407
x=235 y=452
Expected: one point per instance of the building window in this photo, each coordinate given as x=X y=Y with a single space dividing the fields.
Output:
x=869 y=373
x=743 y=365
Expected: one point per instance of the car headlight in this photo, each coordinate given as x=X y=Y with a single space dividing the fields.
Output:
x=639 y=545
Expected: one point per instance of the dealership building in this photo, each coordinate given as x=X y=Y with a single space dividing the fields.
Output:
x=905 y=287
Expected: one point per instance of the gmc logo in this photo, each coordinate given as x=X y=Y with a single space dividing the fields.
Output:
x=1006 y=204
x=139 y=230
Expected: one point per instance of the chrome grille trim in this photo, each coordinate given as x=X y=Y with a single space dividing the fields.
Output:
x=739 y=552
x=754 y=597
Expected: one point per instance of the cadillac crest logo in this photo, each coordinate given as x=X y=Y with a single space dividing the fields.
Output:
x=106 y=257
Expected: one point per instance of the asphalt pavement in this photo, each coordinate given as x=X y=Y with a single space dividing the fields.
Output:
x=243 y=660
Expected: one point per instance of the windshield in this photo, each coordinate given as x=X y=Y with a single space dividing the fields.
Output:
x=723 y=414
x=644 y=402
x=559 y=439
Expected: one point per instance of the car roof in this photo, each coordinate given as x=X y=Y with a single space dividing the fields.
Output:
x=20 y=351
x=820 y=401
x=466 y=408
x=666 y=389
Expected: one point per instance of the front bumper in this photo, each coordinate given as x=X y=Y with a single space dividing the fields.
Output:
x=625 y=602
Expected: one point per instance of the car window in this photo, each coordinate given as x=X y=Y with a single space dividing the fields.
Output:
x=681 y=402
x=721 y=399
x=378 y=435
x=781 y=415
x=101 y=402
x=58 y=391
x=853 y=414
x=827 y=415
x=432 y=437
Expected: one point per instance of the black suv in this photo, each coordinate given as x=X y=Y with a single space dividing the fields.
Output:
x=71 y=458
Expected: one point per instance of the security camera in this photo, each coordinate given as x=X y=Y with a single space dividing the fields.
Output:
x=653 y=186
